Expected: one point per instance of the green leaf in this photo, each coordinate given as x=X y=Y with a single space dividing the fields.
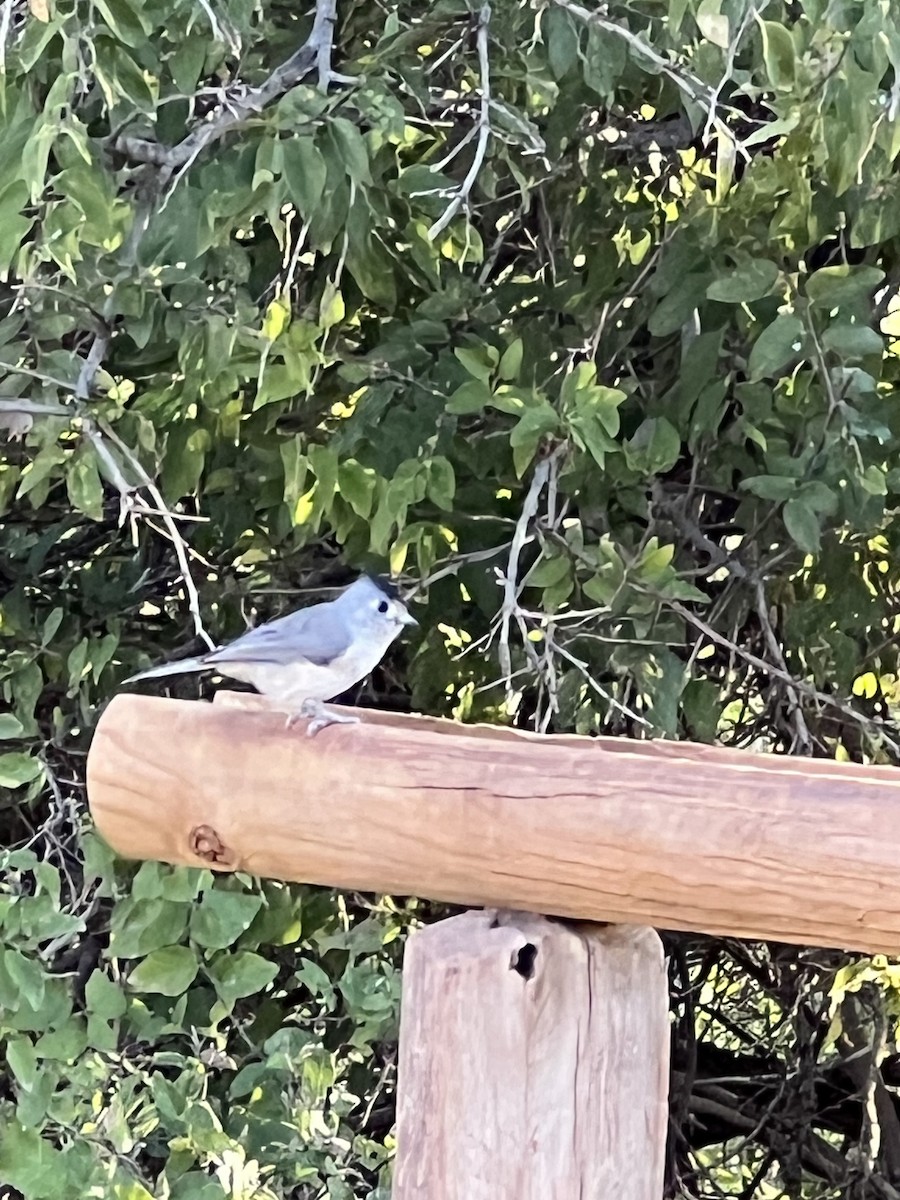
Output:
x=746 y=283
x=120 y=76
x=713 y=23
x=654 y=561
x=663 y=677
x=771 y=130
x=589 y=432
x=655 y=446
x=127 y=22
x=75 y=665
x=83 y=482
x=471 y=397
x=35 y=154
x=836 y=287
x=562 y=41
x=852 y=341
x=547 y=572
x=357 y=485
x=277 y=318
x=22 y=1061
x=680 y=589
x=169 y=971
x=221 y=917
x=27 y=975
x=778 y=54
x=776 y=346
x=186 y=64
x=874 y=481
x=511 y=361
x=677 y=308
x=305 y=172
x=332 y=308
x=476 y=361
x=10 y=726
x=103 y=998
x=603 y=60
x=155 y=880
x=803 y=525
x=240 y=974
x=140 y=926
x=603 y=587
x=30 y=1164
x=350 y=148
x=771 y=487
x=186 y=447
x=13 y=224
x=701 y=707
x=135 y=1190
x=441 y=483
x=17 y=768
x=600 y=404
x=65 y=1044
x=534 y=425
x=819 y=497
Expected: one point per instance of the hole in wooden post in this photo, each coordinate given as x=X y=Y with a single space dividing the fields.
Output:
x=523 y=960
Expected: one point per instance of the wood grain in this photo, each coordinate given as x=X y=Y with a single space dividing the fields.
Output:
x=533 y=1061
x=666 y=834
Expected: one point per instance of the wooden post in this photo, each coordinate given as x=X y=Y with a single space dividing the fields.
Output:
x=533 y=1062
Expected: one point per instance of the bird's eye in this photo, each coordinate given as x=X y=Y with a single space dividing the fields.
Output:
x=382 y=606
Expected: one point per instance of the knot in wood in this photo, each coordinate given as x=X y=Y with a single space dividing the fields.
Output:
x=205 y=843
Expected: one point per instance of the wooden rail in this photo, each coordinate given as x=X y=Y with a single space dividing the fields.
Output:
x=671 y=835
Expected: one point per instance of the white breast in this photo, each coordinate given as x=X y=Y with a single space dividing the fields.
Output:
x=293 y=683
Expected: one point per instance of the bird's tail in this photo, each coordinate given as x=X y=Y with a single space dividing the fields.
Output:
x=182 y=667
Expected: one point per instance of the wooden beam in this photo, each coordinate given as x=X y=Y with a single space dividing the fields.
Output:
x=533 y=1061
x=666 y=834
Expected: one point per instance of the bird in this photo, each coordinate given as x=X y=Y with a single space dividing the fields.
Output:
x=309 y=656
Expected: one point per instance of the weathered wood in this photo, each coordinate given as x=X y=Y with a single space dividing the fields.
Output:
x=665 y=834
x=533 y=1062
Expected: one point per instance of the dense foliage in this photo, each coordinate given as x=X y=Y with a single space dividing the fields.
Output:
x=580 y=320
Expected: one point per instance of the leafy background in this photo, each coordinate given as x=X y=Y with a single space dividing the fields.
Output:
x=579 y=319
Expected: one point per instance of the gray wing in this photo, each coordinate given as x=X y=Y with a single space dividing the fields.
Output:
x=316 y=635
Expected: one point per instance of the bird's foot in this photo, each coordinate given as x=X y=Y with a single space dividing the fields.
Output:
x=319 y=717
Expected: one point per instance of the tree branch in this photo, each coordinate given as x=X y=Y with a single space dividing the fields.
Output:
x=242 y=102
x=483 y=127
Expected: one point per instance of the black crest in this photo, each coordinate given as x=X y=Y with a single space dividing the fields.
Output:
x=385 y=585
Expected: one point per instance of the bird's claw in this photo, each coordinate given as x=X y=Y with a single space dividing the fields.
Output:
x=319 y=717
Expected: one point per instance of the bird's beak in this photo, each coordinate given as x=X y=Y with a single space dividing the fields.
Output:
x=408 y=618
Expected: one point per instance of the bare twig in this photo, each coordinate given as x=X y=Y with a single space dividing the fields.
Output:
x=90 y=366
x=589 y=679
x=728 y=71
x=323 y=36
x=775 y=672
x=695 y=535
x=100 y=435
x=35 y=408
x=15 y=369
x=689 y=84
x=802 y=735
x=692 y=86
x=5 y=18
x=452 y=565
x=483 y=126
x=227 y=37
x=168 y=519
x=521 y=537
